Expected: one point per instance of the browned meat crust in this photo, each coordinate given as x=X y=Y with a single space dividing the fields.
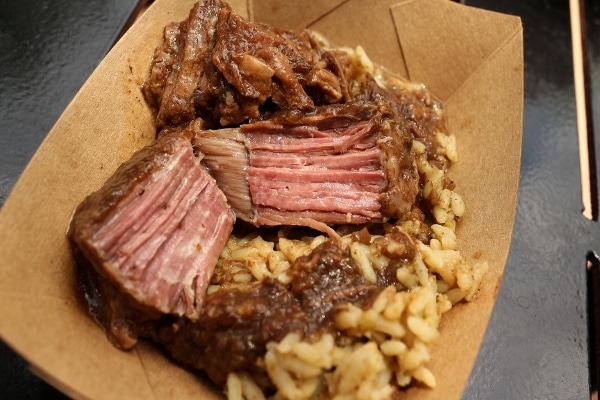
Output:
x=156 y=228
x=217 y=66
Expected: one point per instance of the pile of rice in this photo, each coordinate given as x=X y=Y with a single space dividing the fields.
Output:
x=394 y=337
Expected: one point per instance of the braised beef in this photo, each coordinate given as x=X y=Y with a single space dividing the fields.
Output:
x=226 y=157
x=328 y=277
x=165 y=57
x=232 y=333
x=272 y=117
x=342 y=163
x=123 y=318
x=218 y=66
x=157 y=227
x=295 y=158
x=239 y=320
x=414 y=111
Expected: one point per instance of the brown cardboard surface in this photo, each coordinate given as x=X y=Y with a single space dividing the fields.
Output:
x=472 y=59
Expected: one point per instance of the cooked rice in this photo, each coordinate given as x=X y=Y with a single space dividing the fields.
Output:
x=392 y=340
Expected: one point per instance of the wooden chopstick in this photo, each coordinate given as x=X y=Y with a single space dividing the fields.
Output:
x=587 y=162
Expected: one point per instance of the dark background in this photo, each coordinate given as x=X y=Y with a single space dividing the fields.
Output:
x=48 y=48
x=538 y=342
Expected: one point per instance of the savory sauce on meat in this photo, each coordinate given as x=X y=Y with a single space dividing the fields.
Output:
x=239 y=320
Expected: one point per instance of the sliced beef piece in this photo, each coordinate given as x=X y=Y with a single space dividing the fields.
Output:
x=239 y=320
x=156 y=228
x=338 y=164
x=218 y=66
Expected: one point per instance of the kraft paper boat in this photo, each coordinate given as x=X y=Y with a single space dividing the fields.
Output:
x=470 y=58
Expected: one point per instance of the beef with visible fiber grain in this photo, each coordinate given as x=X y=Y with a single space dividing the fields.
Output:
x=220 y=67
x=338 y=164
x=156 y=228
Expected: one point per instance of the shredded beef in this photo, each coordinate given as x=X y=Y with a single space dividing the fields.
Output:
x=218 y=66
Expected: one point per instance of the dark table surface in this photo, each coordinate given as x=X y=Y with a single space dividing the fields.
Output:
x=538 y=342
